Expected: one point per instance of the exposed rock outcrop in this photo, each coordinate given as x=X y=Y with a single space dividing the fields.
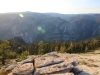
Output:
x=49 y=65
x=56 y=64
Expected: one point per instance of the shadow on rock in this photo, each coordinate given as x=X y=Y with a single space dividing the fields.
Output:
x=83 y=73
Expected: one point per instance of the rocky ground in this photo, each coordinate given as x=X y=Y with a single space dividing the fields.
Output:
x=56 y=64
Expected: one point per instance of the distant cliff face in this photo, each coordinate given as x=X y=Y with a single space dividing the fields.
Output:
x=48 y=26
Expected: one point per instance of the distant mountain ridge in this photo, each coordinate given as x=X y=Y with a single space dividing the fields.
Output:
x=35 y=27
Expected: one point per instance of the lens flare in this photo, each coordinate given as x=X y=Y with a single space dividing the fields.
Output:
x=43 y=31
x=21 y=15
x=39 y=28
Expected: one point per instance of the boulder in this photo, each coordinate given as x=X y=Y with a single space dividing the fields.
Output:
x=55 y=54
x=10 y=67
x=74 y=63
x=44 y=65
x=23 y=69
x=55 y=69
x=52 y=62
x=28 y=61
x=77 y=70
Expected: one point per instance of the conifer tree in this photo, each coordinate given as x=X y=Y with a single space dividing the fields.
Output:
x=4 y=49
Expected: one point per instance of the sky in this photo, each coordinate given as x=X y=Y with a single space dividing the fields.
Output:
x=54 y=6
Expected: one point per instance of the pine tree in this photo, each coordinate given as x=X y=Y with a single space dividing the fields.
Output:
x=4 y=47
x=86 y=48
x=41 y=47
x=62 y=49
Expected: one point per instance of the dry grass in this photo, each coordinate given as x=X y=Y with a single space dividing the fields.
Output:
x=81 y=58
x=2 y=72
x=92 y=65
x=89 y=65
x=91 y=60
x=83 y=63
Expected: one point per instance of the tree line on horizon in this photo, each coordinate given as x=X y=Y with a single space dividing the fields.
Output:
x=10 y=49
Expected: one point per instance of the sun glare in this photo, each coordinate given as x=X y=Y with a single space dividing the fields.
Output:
x=30 y=5
x=57 y=6
x=21 y=15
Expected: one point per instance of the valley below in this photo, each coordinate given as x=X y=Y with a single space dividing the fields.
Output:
x=49 y=44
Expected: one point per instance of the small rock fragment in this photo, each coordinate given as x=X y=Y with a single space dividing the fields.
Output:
x=77 y=70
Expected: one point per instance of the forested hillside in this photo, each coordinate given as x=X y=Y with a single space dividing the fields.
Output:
x=10 y=49
x=35 y=27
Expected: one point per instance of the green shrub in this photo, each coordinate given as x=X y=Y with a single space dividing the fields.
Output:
x=12 y=55
x=24 y=55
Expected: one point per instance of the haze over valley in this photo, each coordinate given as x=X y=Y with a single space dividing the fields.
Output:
x=49 y=37
x=34 y=27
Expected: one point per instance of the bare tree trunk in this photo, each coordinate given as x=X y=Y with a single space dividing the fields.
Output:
x=3 y=61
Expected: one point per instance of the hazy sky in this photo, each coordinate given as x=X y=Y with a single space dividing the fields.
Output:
x=58 y=6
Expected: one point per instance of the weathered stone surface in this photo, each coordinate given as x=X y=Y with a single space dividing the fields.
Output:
x=52 y=54
x=57 y=68
x=63 y=74
x=45 y=64
x=10 y=67
x=10 y=73
x=24 y=69
x=27 y=61
x=52 y=62
x=49 y=60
